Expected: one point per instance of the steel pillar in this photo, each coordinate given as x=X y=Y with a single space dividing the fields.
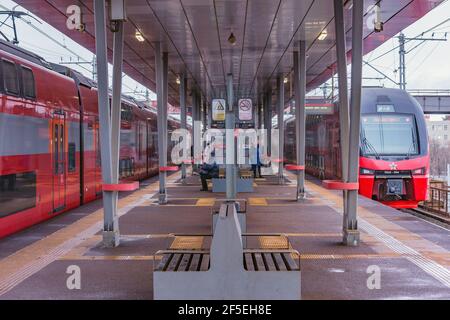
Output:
x=230 y=142
x=344 y=115
x=280 y=96
x=161 y=68
x=300 y=117
x=204 y=115
x=351 y=232
x=268 y=120
x=183 y=87
x=196 y=129
x=111 y=224
x=402 y=61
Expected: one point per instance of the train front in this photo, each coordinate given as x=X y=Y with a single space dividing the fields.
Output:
x=394 y=157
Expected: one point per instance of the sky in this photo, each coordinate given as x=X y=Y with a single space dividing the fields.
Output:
x=427 y=66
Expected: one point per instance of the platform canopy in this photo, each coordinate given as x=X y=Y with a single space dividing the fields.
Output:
x=196 y=35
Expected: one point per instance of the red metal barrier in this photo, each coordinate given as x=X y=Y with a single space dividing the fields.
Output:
x=340 y=185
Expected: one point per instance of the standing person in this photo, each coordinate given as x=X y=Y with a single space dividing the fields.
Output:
x=256 y=163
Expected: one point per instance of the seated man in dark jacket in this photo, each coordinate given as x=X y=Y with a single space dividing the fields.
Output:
x=208 y=171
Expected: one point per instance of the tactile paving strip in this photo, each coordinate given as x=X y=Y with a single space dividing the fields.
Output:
x=187 y=243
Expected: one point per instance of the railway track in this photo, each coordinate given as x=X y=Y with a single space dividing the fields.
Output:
x=431 y=217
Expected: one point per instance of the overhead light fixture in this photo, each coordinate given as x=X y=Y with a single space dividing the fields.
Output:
x=139 y=36
x=232 y=39
x=178 y=80
x=323 y=35
x=285 y=80
x=378 y=24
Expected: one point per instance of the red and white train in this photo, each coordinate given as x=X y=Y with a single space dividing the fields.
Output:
x=49 y=140
x=394 y=155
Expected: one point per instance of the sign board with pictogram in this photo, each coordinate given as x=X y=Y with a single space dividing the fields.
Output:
x=245 y=109
x=218 y=109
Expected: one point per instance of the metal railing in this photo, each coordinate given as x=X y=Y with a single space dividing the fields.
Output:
x=439 y=198
x=429 y=92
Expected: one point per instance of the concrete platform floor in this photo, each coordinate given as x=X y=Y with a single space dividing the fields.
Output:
x=412 y=255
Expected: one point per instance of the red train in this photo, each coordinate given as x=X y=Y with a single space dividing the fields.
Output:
x=49 y=146
x=394 y=155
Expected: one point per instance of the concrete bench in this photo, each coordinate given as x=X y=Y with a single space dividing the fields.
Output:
x=183 y=260
x=227 y=270
x=270 y=260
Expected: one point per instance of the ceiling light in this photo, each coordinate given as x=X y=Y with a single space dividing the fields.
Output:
x=285 y=80
x=178 y=80
x=139 y=36
x=323 y=35
x=232 y=39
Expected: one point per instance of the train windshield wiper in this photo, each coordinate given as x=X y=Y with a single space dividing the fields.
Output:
x=368 y=146
x=413 y=143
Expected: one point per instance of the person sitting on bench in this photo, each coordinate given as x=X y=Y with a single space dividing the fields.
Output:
x=208 y=171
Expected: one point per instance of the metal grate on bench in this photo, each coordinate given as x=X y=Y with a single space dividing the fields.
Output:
x=183 y=260
x=271 y=260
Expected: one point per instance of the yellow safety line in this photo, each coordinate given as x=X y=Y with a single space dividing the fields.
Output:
x=205 y=202
x=187 y=243
x=257 y=201
x=25 y=262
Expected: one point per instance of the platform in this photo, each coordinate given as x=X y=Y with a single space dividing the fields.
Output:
x=413 y=255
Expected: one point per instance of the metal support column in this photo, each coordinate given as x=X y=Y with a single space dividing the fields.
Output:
x=204 y=114
x=402 y=61
x=111 y=225
x=183 y=87
x=351 y=233
x=230 y=142
x=165 y=62
x=161 y=117
x=344 y=115
x=268 y=120
x=280 y=96
x=300 y=123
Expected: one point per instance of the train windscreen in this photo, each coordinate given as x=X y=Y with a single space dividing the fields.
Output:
x=388 y=134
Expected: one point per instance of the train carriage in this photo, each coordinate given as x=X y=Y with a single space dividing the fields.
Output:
x=50 y=143
x=394 y=157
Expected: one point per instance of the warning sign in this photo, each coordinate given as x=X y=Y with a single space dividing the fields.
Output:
x=218 y=109
x=245 y=109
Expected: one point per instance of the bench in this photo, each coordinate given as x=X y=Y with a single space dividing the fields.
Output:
x=228 y=270
x=183 y=260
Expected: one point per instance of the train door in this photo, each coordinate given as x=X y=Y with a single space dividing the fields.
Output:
x=59 y=160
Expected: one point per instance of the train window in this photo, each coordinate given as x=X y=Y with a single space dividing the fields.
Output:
x=389 y=134
x=29 y=90
x=10 y=78
x=72 y=153
x=126 y=113
x=17 y=192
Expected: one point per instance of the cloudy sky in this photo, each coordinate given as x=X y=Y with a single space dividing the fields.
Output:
x=428 y=66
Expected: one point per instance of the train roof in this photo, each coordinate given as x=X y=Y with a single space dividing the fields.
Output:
x=402 y=101
x=24 y=54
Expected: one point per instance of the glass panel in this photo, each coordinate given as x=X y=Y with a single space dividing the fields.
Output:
x=10 y=77
x=56 y=148
x=388 y=134
x=17 y=192
x=28 y=83
x=72 y=153
x=61 y=149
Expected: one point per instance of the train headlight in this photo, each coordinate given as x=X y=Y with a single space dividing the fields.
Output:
x=420 y=171
x=366 y=171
